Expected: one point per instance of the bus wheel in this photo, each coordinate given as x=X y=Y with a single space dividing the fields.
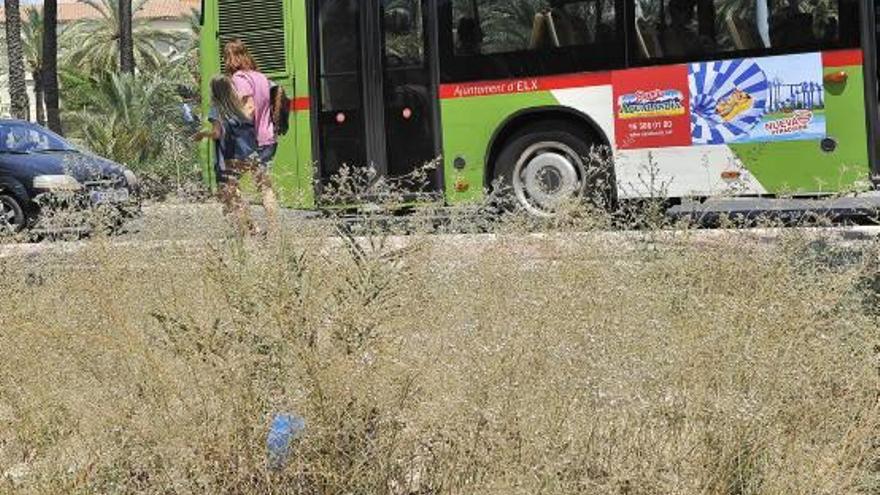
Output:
x=547 y=165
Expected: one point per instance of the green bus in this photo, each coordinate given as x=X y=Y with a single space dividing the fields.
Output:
x=686 y=98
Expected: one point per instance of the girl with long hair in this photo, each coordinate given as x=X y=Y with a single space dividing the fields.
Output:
x=255 y=90
x=237 y=152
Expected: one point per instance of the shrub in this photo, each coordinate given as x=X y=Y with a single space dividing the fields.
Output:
x=134 y=120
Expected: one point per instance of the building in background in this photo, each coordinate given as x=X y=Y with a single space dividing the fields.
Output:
x=167 y=15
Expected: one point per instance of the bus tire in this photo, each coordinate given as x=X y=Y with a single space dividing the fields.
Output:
x=545 y=165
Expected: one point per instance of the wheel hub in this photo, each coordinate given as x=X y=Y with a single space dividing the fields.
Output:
x=548 y=173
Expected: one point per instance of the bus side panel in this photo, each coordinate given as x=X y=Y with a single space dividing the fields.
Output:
x=285 y=169
x=764 y=151
x=468 y=126
x=802 y=166
x=470 y=123
x=788 y=163
x=209 y=62
x=291 y=170
x=301 y=118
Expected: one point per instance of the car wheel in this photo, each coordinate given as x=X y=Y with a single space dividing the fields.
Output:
x=546 y=164
x=12 y=216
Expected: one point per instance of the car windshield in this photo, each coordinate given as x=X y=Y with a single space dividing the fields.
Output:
x=22 y=138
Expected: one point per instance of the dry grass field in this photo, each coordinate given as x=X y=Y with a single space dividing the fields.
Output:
x=557 y=364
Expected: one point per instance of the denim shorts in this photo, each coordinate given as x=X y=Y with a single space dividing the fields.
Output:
x=267 y=154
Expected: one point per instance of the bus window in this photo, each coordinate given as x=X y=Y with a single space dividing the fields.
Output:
x=803 y=22
x=404 y=38
x=494 y=39
x=683 y=29
x=339 y=54
x=407 y=85
x=485 y=27
x=341 y=114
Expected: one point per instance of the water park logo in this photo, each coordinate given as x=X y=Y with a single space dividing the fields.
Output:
x=798 y=121
x=734 y=104
x=653 y=103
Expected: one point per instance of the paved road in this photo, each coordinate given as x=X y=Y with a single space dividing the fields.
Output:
x=189 y=228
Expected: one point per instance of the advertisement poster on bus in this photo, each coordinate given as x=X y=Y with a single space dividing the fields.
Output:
x=757 y=100
x=652 y=107
x=748 y=100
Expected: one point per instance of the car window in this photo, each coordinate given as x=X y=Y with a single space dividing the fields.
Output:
x=17 y=138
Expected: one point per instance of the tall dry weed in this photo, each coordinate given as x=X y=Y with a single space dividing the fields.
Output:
x=565 y=362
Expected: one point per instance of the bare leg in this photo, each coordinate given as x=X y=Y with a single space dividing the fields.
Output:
x=270 y=199
x=235 y=206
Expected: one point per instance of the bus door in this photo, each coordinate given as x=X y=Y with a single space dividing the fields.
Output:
x=375 y=90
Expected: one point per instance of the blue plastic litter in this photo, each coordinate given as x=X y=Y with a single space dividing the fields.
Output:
x=188 y=115
x=285 y=428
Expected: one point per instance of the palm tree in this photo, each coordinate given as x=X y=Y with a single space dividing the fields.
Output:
x=95 y=42
x=32 y=37
x=126 y=43
x=189 y=49
x=190 y=46
x=17 y=85
x=50 y=64
x=122 y=116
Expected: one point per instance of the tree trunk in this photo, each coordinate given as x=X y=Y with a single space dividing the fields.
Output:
x=17 y=84
x=50 y=64
x=38 y=96
x=126 y=41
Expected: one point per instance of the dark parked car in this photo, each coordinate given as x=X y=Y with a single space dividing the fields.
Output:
x=40 y=168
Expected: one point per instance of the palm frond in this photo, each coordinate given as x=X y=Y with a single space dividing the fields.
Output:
x=94 y=42
x=123 y=116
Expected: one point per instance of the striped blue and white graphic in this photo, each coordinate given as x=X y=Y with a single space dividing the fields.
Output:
x=712 y=82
